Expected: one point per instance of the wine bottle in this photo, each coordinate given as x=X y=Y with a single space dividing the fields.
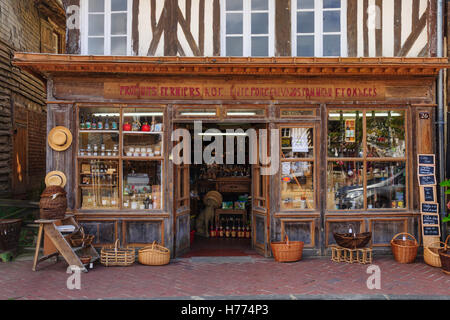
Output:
x=87 y=124
x=82 y=125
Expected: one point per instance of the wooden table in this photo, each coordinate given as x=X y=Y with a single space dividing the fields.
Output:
x=71 y=255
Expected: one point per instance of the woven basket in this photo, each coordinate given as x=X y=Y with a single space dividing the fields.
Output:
x=431 y=254
x=154 y=255
x=9 y=233
x=352 y=241
x=287 y=251
x=53 y=203
x=444 y=254
x=114 y=256
x=80 y=238
x=404 y=251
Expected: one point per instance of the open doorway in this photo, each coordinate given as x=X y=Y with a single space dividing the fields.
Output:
x=220 y=189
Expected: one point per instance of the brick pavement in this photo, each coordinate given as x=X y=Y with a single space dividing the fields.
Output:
x=252 y=277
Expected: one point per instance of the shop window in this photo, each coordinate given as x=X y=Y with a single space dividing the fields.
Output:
x=106 y=27
x=248 y=28
x=319 y=28
x=297 y=168
x=120 y=154
x=366 y=160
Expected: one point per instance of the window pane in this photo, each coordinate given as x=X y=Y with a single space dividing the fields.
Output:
x=305 y=4
x=297 y=185
x=386 y=134
x=345 y=185
x=234 y=46
x=260 y=23
x=331 y=45
x=96 y=46
x=260 y=46
x=118 y=23
x=118 y=46
x=305 y=46
x=345 y=132
x=331 y=21
x=96 y=25
x=305 y=22
x=142 y=185
x=234 y=23
x=118 y=5
x=260 y=5
x=233 y=5
x=331 y=4
x=297 y=142
x=96 y=5
x=386 y=185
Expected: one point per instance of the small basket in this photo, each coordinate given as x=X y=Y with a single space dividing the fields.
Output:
x=114 y=256
x=431 y=254
x=444 y=254
x=404 y=251
x=154 y=255
x=80 y=239
x=9 y=233
x=287 y=251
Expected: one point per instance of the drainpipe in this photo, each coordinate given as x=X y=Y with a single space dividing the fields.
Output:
x=440 y=113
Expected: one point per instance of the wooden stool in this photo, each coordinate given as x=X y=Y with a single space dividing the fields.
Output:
x=365 y=255
x=61 y=244
x=341 y=254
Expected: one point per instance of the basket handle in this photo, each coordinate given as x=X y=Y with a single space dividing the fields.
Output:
x=115 y=245
x=431 y=244
x=398 y=234
x=446 y=242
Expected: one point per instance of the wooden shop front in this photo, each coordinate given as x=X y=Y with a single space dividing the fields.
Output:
x=349 y=131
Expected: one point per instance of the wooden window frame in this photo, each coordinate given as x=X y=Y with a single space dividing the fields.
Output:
x=318 y=27
x=364 y=159
x=246 y=28
x=84 y=27
x=120 y=158
x=313 y=160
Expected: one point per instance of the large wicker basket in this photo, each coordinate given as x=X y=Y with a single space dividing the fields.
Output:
x=444 y=254
x=154 y=255
x=9 y=233
x=404 y=251
x=352 y=241
x=431 y=254
x=53 y=203
x=287 y=251
x=112 y=255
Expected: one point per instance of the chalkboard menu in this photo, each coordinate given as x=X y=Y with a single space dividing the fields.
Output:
x=426 y=170
x=427 y=180
x=431 y=231
x=430 y=219
x=429 y=194
x=426 y=159
x=429 y=207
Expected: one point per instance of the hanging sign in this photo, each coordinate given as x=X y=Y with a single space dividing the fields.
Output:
x=432 y=231
x=350 y=130
x=432 y=219
x=427 y=180
x=426 y=170
x=426 y=207
x=427 y=159
x=299 y=140
x=428 y=194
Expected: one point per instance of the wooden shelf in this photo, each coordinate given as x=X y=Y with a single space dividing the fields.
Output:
x=142 y=132
x=98 y=131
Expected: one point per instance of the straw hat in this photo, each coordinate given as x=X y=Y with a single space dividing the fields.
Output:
x=215 y=196
x=55 y=178
x=59 y=138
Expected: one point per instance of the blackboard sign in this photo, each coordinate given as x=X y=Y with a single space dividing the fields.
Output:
x=430 y=219
x=426 y=170
x=429 y=207
x=431 y=231
x=427 y=180
x=426 y=158
x=428 y=194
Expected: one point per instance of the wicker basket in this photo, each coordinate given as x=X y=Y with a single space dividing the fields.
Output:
x=352 y=241
x=431 y=254
x=114 y=256
x=154 y=255
x=53 y=203
x=287 y=251
x=9 y=233
x=80 y=238
x=404 y=251
x=444 y=254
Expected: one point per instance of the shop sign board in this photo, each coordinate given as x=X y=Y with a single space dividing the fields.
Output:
x=258 y=90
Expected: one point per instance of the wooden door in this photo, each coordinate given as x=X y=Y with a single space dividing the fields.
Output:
x=182 y=212
x=260 y=200
x=19 y=178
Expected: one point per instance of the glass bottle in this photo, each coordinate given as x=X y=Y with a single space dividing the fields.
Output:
x=94 y=124
x=100 y=123
x=87 y=124
x=106 y=125
x=114 y=124
x=82 y=125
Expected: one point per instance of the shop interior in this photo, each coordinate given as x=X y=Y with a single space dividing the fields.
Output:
x=221 y=194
